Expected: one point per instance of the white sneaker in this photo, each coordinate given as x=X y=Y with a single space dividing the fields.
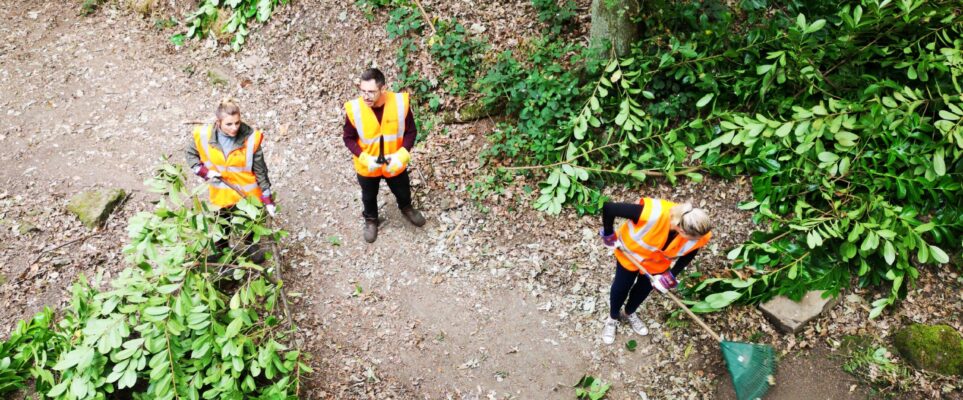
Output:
x=636 y=323
x=608 y=331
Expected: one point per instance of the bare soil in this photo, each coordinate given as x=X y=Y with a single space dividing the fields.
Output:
x=489 y=300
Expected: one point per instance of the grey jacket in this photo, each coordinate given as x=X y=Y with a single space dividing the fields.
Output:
x=259 y=167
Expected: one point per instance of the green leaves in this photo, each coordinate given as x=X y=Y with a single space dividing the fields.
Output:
x=939 y=255
x=716 y=301
x=166 y=328
x=590 y=388
x=705 y=100
x=79 y=358
x=563 y=182
x=241 y=12
x=809 y=28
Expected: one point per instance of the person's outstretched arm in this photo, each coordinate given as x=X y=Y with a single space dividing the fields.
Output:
x=632 y=211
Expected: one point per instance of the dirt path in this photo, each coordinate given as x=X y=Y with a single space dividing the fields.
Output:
x=503 y=304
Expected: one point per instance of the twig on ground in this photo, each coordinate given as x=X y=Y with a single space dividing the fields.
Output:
x=426 y=17
x=453 y=233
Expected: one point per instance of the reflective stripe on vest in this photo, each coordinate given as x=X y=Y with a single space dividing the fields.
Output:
x=248 y=155
x=638 y=236
x=686 y=247
x=221 y=185
x=359 y=124
x=656 y=229
x=236 y=168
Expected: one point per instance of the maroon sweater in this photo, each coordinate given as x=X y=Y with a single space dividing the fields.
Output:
x=350 y=135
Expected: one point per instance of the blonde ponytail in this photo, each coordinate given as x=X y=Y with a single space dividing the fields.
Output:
x=228 y=106
x=693 y=221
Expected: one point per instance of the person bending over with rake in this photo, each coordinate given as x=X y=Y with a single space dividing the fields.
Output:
x=663 y=237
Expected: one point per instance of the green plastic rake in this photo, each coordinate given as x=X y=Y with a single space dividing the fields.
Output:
x=752 y=366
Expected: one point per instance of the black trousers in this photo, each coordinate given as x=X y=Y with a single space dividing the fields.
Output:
x=247 y=246
x=400 y=185
x=632 y=285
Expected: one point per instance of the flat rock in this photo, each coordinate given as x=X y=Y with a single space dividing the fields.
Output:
x=790 y=316
x=93 y=207
x=27 y=227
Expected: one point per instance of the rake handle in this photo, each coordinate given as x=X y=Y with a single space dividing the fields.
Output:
x=274 y=246
x=672 y=296
x=232 y=186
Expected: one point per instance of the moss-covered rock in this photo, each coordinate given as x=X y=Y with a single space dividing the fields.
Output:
x=937 y=348
x=143 y=7
x=93 y=207
x=471 y=112
x=26 y=228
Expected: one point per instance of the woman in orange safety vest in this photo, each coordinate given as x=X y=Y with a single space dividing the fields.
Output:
x=660 y=235
x=228 y=153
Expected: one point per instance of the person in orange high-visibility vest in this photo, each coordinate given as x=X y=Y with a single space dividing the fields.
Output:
x=229 y=152
x=379 y=130
x=660 y=235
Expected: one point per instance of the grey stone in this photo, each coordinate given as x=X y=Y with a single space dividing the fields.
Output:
x=26 y=227
x=589 y=305
x=790 y=316
x=477 y=28
x=447 y=204
x=60 y=262
x=93 y=207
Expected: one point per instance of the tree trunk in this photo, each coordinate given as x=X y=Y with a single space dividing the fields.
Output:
x=615 y=22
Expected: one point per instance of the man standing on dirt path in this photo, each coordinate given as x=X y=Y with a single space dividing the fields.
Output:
x=379 y=130
x=228 y=153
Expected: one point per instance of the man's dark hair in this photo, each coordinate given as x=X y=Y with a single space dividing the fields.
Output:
x=375 y=74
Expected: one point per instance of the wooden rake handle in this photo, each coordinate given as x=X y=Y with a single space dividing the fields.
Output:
x=696 y=318
x=277 y=253
x=232 y=186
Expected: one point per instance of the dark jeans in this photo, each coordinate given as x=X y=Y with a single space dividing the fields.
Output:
x=634 y=285
x=399 y=185
x=247 y=246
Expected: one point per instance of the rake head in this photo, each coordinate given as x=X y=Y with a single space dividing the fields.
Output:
x=752 y=367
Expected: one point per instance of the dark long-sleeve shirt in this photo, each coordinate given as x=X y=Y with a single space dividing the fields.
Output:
x=258 y=166
x=350 y=135
x=633 y=211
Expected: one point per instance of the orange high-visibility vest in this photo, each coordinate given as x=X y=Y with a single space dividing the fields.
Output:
x=391 y=128
x=235 y=169
x=646 y=239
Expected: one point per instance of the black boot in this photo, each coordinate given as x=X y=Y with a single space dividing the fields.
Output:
x=370 y=229
x=413 y=216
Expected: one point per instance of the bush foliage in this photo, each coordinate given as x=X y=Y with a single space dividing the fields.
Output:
x=846 y=118
x=226 y=18
x=173 y=325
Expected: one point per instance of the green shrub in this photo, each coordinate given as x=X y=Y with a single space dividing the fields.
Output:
x=174 y=325
x=458 y=54
x=555 y=14
x=847 y=121
x=230 y=18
